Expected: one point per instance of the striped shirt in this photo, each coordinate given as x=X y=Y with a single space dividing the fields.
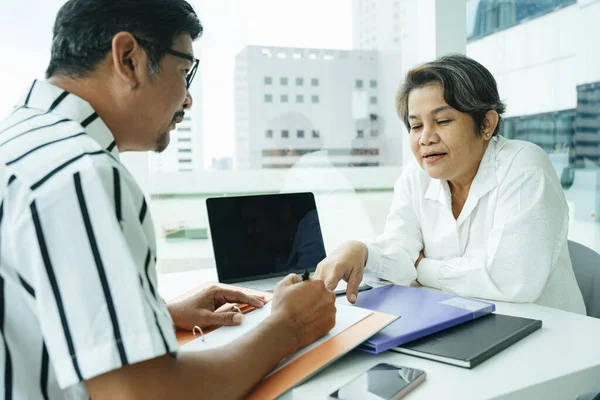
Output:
x=78 y=284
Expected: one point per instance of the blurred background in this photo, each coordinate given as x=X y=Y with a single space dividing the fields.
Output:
x=299 y=96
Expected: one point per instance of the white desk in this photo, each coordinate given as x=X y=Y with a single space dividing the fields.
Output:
x=559 y=361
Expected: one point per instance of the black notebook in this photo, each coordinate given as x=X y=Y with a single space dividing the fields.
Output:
x=473 y=342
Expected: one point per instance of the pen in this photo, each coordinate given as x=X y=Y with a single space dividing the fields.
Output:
x=305 y=275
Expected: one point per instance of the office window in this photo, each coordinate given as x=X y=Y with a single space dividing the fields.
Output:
x=185 y=170
x=359 y=84
x=269 y=134
x=184 y=140
x=184 y=129
x=485 y=17
x=314 y=81
x=299 y=81
x=314 y=98
x=316 y=134
x=374 y=133
x=360 y=134
x=184 y=150
x=300 y=134
x=372 y=83
x=285 y=134
x=547 y=130
x=299 y=98
x=373 y=100
x=185 y=160
x=283 y=81
x=284 y=98
x=268 y=80
x=268 y=98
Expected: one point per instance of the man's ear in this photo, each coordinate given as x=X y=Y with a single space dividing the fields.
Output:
x=128 y=59
x=490 y=123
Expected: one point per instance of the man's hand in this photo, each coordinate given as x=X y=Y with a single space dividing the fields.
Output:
x=200 y=308
x=347 y=262
x=306 y=308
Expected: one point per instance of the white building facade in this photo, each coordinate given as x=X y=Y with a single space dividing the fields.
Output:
x=291 y=102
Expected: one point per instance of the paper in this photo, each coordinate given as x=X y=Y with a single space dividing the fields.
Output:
x=465 y=304
x=345 y=317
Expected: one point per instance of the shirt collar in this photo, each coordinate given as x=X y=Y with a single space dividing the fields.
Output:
x=44 y=96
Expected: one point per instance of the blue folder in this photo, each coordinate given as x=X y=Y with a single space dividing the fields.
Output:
x=422 y=312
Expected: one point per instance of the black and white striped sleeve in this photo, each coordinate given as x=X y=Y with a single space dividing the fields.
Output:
x=95 y=275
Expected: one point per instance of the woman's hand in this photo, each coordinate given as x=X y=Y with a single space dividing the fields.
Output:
x=421 y=256
x=347 y=262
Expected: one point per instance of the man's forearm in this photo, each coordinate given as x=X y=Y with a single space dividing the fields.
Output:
x=228 y=372
x=242 y=364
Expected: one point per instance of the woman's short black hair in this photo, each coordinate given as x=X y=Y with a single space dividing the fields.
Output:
x=84 y=29
x=467 y=86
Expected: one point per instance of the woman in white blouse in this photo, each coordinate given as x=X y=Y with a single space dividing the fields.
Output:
x=477 y=214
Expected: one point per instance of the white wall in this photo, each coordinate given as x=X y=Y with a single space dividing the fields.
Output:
x=536 y=63
x=588 y=37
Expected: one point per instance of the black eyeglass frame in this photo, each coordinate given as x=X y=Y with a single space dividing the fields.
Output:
x=190 y=75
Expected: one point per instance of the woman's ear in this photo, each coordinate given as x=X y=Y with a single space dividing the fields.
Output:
x=490 y=123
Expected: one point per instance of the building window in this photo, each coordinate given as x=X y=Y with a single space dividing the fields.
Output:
x=184 y=150
x=285 y=134
x=268 y=80
x=184 y=129
x=184 y=140
x=300 y=134
x=283 y=81
x=372 y=83
x=485 y=17
x=299 y=81
x=360 y=134
x=374 y=133
x=299 y=98
x=185 y=160
x=316 y=134
x=359 y=84
x=314 y=98
x=268 y=98
x=373 y=100
x=314 y=81
x=284 y=98
x=269 y=133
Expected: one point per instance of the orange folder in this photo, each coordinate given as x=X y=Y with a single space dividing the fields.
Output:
x=310 y=363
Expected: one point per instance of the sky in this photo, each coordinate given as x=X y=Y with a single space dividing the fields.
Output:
x=229 y=26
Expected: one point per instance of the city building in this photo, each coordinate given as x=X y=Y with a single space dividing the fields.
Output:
x=293 y=102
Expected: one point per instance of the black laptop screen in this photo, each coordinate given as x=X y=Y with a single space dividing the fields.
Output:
x=262 y=236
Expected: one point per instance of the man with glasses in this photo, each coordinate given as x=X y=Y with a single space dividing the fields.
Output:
x=80 y=315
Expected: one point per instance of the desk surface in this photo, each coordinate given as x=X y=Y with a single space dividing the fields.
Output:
x=559 y=361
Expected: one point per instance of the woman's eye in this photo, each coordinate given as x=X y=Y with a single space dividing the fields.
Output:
x=444 y=122
x=415 y=127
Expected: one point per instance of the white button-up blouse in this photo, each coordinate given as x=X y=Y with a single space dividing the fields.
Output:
x=509 y=243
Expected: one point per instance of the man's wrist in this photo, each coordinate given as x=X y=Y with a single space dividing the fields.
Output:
x=282 y=333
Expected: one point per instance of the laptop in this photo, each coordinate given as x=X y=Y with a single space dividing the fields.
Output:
x=257 y=240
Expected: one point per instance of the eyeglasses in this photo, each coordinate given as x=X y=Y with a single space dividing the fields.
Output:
x=190 y=76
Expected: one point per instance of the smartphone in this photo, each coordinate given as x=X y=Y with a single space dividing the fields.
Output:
x=382 y=382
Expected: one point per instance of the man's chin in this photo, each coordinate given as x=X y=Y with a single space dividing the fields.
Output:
x=163 y=142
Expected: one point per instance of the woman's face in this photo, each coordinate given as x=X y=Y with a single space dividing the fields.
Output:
x=443 y=139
